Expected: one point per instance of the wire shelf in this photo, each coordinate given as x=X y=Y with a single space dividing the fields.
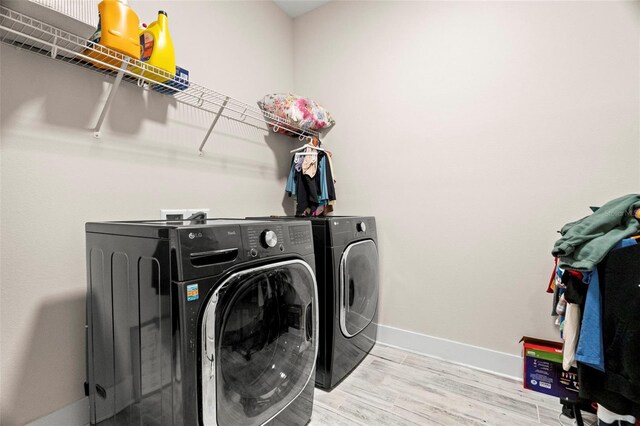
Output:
x=30 y=34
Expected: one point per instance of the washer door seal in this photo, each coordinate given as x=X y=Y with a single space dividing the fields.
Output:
x=359 y=283
x=259 y=343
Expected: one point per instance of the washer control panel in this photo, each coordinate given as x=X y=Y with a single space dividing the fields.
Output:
x=264 y=239
x=299 y=234
x=343 y=229
x=273 y=238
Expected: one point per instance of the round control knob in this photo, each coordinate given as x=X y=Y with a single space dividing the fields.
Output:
x=361 y=227
x=269 y=238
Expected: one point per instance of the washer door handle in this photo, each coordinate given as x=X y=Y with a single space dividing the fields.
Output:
x=352 y=292
x=101 y=391
x=308 y=322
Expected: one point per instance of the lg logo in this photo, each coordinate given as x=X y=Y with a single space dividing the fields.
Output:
x=193 y=235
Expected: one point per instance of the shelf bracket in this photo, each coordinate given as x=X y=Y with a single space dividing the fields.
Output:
x=112 y=95
x=54 y=48
x=215 y=120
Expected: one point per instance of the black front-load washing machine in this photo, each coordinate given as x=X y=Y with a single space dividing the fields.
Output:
x=210 y=322
x=346 y=250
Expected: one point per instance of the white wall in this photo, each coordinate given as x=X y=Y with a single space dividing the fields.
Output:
x=473 y=131
x=55 y=176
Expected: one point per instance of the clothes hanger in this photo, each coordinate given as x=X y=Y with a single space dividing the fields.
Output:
x=302 y=148
x=303 y=151
x=304 y=154
x=309 y=145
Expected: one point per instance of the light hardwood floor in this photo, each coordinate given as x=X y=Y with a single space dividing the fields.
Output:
x=394 y=387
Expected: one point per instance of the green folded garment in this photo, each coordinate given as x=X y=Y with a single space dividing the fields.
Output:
x=586 y=242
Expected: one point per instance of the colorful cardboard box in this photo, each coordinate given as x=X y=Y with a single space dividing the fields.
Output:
x=543 y=369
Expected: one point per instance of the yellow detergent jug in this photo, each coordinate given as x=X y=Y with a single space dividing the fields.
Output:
x=117 y=30
x=156 y=50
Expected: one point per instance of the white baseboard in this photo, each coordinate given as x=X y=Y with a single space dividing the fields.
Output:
x=500 y=363
x=76 y=414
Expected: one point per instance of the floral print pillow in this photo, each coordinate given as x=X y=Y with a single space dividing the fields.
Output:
x=296 y=110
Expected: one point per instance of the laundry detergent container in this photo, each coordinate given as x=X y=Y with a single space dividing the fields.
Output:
x=157 y=54
x=117 y=35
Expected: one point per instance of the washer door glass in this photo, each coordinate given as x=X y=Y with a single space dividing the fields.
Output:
x=358 y=286
x=259 y=343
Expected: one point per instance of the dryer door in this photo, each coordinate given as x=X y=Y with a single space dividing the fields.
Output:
x=259 y=343
x=358 y=286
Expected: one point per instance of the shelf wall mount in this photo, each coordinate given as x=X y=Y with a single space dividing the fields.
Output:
x=110 y=98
